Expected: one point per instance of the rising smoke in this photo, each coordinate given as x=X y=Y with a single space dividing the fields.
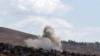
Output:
x=48 y=41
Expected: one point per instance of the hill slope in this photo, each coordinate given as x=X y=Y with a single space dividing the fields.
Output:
x=15 y=37
x=81 y=47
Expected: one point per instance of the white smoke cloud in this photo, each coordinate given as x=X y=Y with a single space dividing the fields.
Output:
x=44 y=43
x=59 y=24
x=48 y=41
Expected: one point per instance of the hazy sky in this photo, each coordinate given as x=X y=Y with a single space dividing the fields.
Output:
x=72 y=19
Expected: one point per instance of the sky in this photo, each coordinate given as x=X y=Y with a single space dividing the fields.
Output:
x=76 y=20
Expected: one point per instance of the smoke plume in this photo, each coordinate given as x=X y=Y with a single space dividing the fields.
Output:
x=47 y=41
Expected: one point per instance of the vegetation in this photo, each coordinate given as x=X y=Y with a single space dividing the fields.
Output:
x=10 y=50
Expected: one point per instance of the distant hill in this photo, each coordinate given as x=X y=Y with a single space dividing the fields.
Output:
x=82 y=47
x=15 y=37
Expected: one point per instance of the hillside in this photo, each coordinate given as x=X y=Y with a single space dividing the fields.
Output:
x=15 y=37
x=10 y=50
x=82 y=47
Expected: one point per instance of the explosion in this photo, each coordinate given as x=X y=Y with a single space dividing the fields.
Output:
x=47 y=41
